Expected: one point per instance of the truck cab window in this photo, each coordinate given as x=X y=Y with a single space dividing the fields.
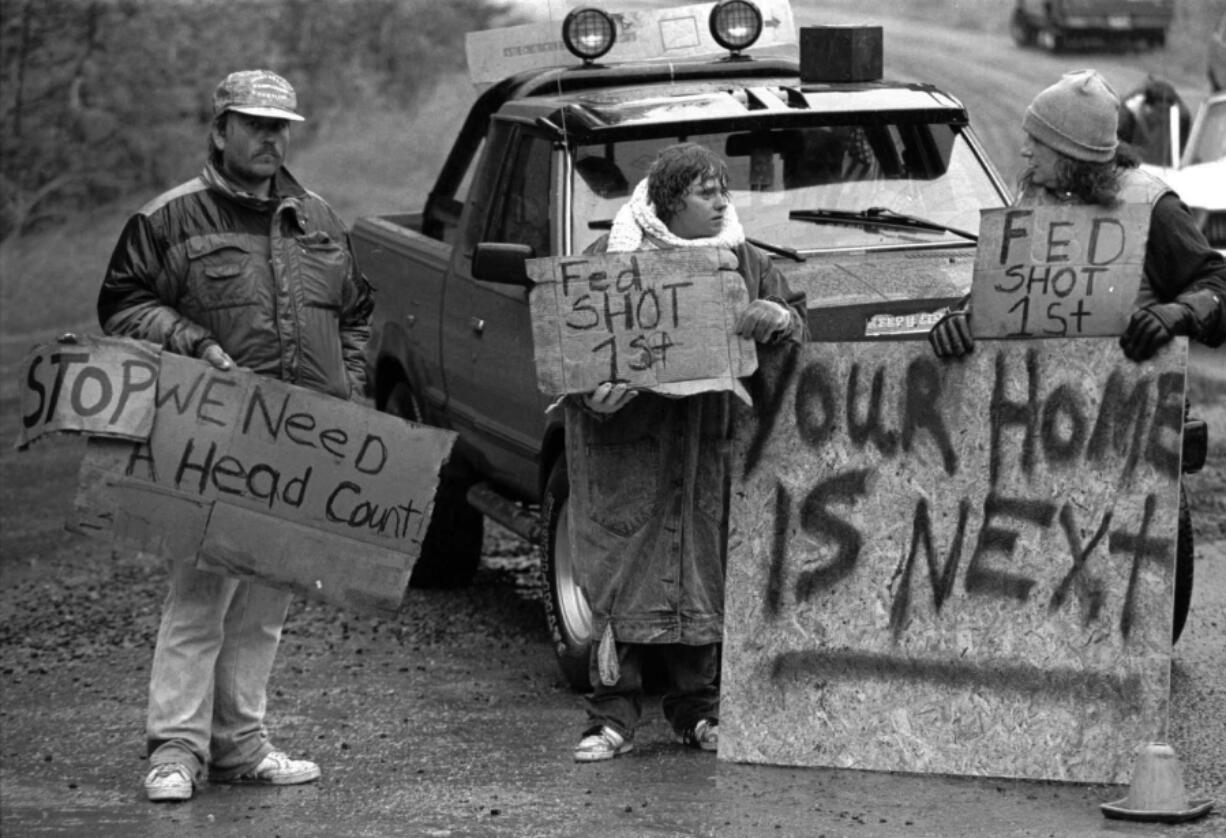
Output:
x=521 y=214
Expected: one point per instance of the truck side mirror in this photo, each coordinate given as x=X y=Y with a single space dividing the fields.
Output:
x=503 y=263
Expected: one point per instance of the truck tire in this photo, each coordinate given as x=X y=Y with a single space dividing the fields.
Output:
x=566 y=609
x=1183 y=568
x=1020 y=29
x=451 y=549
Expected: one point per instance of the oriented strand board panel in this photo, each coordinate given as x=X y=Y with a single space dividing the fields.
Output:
x=953 y=567
x=648 y=318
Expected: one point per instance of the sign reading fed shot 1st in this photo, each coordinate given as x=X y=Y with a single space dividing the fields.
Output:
x=241 y=474
x=953 y=567
x=1057 y=270
x=646 y=318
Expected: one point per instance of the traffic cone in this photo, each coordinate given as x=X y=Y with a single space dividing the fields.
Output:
x=1157 y=792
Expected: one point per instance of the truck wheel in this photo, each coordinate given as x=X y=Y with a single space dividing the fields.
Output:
x=451 y=549
x=1183 y=567
x=566 y=608
x=1021 y=30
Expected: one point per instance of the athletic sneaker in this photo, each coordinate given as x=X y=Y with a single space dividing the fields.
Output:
x=704 y=735
x=169 y=781
x=600 y=743
x=277 y=769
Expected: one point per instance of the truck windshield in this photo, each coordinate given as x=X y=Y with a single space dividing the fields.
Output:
x=778 y=177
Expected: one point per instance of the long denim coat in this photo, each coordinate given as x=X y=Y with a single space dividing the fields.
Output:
x=649 y=489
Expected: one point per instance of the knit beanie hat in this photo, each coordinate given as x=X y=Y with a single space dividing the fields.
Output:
x=1077 y=116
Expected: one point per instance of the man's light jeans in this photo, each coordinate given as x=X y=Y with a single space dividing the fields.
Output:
x=215 y=651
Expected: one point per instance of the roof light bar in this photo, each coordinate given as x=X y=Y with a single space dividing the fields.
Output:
x=735 y=24
x=588 y=33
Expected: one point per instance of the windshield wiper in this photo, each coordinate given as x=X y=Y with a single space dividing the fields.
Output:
x=877 y=215
x=778 y=249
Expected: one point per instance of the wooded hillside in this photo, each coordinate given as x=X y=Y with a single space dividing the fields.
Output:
x=102 y=98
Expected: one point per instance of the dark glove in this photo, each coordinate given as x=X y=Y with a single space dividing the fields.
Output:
x=951 y=336
x=1152 y=327
x=766 y=321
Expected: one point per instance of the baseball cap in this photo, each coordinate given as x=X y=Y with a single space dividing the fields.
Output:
x=256 y=92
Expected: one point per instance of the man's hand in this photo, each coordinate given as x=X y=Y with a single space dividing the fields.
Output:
x=217 y=356
x=1152 y=327
x=951 y=336
x=766 y=321
x=609 y=398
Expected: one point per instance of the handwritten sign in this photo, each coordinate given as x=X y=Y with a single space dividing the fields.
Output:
x=1057 y=271
x=959 y=568
x=647 y=318
x=641 y=35
x=255 y=478
x=99 y=386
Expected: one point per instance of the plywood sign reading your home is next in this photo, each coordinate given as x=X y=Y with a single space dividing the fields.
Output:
x=953 y=567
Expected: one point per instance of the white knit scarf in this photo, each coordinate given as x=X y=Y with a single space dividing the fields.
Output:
x=637 y=227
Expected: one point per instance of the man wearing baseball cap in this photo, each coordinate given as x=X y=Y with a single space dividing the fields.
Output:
x=1074 y=157
x=240 y=266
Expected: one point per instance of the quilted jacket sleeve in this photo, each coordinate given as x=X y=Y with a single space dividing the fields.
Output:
x=133 y=301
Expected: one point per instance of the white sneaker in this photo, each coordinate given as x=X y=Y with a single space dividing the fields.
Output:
x=169 y=781
x=601 y=743
x=704 y=735
x=277 y=769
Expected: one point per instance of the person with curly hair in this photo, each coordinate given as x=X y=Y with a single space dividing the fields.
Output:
x=649 y=477
x=1074 y=157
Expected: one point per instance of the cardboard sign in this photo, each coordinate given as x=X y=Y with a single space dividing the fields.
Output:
x=642 y=35
x=649 y=318
x=955 y=568
x=251 y=477
x=1057 y=271
x=100 y=386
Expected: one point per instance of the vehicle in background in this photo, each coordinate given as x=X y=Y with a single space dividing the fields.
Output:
x=1217 y=57
x=1058 y=24
x=1199 y=175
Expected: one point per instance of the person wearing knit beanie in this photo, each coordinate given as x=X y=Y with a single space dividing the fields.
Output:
x=1077 y=116
x=1074 y=157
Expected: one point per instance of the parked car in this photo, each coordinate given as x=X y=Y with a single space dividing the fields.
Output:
x=1199 y=175
x=1056 y=24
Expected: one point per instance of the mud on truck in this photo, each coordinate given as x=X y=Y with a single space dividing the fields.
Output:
x=866 y=192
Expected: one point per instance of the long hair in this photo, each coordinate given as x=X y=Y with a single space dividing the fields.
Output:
x=1091 y=183
x=218 y=125
x=675 y=169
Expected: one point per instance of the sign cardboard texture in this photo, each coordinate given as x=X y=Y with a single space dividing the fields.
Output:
x=953 y=567
x=99 y=386
x=1057 y=271
x=258 y=479
x=649 y=318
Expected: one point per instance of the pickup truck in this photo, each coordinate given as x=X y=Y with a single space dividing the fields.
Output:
x=1059 y=24
x=866 y=192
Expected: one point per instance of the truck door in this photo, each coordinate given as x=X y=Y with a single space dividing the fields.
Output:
x=487 y=331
